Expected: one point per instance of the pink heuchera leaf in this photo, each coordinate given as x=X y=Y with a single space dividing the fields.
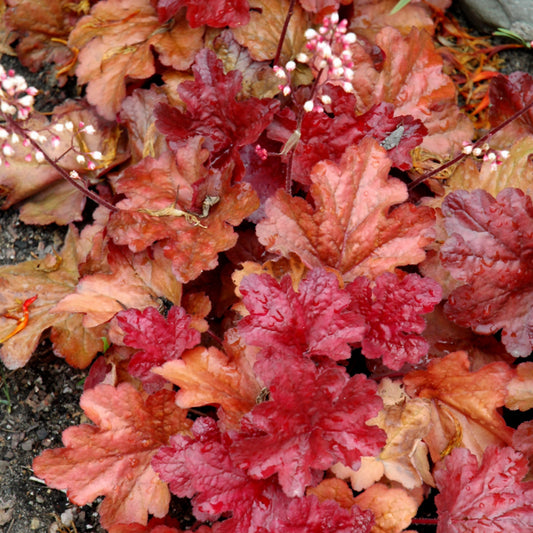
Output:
x=316 y=320
x=490 y=249
x=392 y=309
x=160 y=340
x=487 y=497
x=213 y=111
x=202 y=469
x=327 y=135
x=112 y=458
x=215 y=13
x=350 y=225
x=315 y=418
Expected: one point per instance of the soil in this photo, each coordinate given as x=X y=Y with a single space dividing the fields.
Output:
x=39 y=401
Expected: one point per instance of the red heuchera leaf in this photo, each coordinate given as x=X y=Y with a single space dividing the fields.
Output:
x=213 y=111
x=160 y=339
x=150 y=213
x=203 y=470
x=316 y=320
x=509 y=94
x=475 y=395
x=327 y=135
x=215 y=13
x=316 y=417
x=486 y=497
x=349 y=228
x=391 y=309
x=113 y=457
x=490 y=249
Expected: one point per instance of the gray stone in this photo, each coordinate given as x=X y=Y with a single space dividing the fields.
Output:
x=488 y=15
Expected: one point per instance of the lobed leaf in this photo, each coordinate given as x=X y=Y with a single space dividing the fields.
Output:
x=484 y=497
x=350 y=224
x=112 y=458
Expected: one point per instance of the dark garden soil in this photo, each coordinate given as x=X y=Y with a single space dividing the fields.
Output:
x=39 y=401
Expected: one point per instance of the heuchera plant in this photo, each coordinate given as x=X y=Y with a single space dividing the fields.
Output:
x=306 y=280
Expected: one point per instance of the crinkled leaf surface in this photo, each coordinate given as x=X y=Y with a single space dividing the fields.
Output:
x=203 y=470
x=159 y=339
x=327 y=135
x=50 y=279
x=215 y=13
x=349 y=226
x=316 y=320
x=392 y=309
x=156 y=189
x=484 y=497
x=213 y=110
x=490 y=249
x=116 y=41
x=112 y=457
x=476 y=395
x=315 y=418
x=208 y=376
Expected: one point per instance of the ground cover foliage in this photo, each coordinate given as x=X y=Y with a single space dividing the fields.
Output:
x=287 y=320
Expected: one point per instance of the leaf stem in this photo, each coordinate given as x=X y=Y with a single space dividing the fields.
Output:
x=87 y=192
x=284 y=32
x=462 y=156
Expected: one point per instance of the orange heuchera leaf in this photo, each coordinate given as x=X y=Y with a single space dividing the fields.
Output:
x=333 y=488
x=134 y=281
x=261 y=34
x=466 y=401
x=160 y=210
x=41 y=28
x=112 y=458
x=350 y=228
x=116 y=41
x=404 y=457
x=411 y=78
x=51 y=279
x=208 y=376
x=393 y=508
x=520 y=388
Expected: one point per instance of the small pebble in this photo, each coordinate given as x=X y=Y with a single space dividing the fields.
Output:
x=67 y=517
x=27 y=445
x=35 y=524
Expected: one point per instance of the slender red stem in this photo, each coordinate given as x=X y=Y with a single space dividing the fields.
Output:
x=425 y=521
x=87 y=192
x=284 y=32
x=462 y=156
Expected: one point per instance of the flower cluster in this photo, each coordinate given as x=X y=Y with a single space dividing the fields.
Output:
x=330 y=57
x=486 y=153
x=16 y=106
x=16 y=98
